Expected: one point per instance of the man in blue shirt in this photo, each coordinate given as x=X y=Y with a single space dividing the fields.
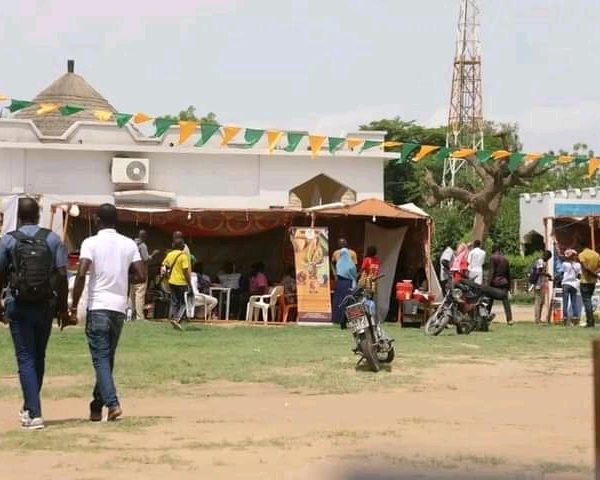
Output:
x=31 y=321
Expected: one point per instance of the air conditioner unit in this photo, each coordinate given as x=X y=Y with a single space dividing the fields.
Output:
x=130 y=171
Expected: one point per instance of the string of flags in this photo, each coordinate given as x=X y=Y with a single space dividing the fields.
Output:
x=408 y=151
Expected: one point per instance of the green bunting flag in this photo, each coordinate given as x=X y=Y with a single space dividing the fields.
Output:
x=335 y=144
x=546 y=160
x=514 y=161
x=162 y=125
x=123 y=118
x=579 y=159
x=67 y=110
x=483 y=155
x=16 y=105
x=372 y=143
x=408 y=150
x=442 y=154
x=207 y=130
x=293 y=139
x=252 y=137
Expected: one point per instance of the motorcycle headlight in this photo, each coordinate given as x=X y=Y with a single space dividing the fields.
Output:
x=457 y=294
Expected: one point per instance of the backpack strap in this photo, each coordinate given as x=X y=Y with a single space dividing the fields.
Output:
x=18 y=235
x=42 y=234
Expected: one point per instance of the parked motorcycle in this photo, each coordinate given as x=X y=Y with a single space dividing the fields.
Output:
x=372 y=343
x=466 y=305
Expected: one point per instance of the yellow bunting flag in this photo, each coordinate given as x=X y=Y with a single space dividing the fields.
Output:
x=463 y=153
x=3 y=97
x=392 y=144
x=103 y=115
x=354 y=143
x=141 y=118
x=229 y=134
x=593 y=166
x=47 y=108
x=316 y=142
x=500 y=155
x=186 y=130
x=564 y=159
x=273 y=137
x=533 y=157
x=424 y=151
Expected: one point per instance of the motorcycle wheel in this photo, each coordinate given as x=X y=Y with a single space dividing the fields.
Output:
x=437 y=322
x=368 y=350
x=388 y=357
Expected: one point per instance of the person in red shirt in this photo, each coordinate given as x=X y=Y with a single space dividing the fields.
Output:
x=370 y=267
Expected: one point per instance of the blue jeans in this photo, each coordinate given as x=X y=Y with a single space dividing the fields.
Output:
x=103 y=329
x=587 y=292
x=570 y=296
x=177 y=310
x=30 y=327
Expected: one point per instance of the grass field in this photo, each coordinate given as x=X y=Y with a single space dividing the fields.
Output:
x=152 y=356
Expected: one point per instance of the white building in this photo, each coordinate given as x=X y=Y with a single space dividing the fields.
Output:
x=79 y=159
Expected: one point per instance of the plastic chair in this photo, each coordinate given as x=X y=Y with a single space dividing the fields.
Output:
x=199 y=298
x=287 y=306
x=262 y=304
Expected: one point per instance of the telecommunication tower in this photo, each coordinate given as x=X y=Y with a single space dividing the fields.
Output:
x=465 y=119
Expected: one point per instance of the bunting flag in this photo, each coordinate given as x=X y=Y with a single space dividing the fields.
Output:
x=186 y=130
x=229 y=134
x=593 y=166
x=483 y=156
x=252 y=136
x=546 y=160
x=425 y=151
x=273 y=137
x=463 y=153
x=103 y=115
x=579 y=159
x=141 y=118
x=207 y=130
x=3 y=97
x=391 y=144
x=407 y=151
x=47 y=108
x=564 y=159
x=354 y=143
x=16 y=105
x=533 y=157
x=67 y=110
x=334 y=144
x=370 y=144
x=500 y=155
x=316 y=142
x=514 y=160
x=123 y=119
x=293 y=139
x=442 y=154
x=162 y=124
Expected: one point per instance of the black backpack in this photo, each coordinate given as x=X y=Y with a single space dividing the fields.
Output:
x=534 y=273
x=32 y=268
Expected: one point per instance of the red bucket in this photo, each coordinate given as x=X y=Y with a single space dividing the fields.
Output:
x=404 y=290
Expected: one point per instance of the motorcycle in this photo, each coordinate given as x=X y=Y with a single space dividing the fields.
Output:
x=467 y=305
x=372 y=343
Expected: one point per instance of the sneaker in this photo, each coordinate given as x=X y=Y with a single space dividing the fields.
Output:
x=114 y=413
x=177 y=325
x=28 y=423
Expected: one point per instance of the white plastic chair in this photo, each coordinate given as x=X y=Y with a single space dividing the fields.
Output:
x=199 y=298
x=261 y=304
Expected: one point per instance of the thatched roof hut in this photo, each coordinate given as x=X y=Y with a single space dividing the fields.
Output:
x=72 y=89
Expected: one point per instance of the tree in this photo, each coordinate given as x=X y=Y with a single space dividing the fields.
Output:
x=189 y=115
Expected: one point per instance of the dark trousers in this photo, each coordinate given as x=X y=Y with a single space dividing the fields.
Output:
x=587 y=291
x=103 y=330
x=30 y=327
x=342 y=288
x=177 y=301
x=569 y=294
x=505 y=304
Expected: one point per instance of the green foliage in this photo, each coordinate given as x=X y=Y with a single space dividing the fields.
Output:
x=519 y=266
x=451 y=224
x=189 y=115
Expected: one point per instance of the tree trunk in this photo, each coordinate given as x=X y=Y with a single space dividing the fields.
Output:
x=481 y=226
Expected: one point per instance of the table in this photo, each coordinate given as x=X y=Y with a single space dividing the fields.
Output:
x=222 y=291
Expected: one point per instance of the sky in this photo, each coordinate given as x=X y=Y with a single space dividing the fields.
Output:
x=326 y=66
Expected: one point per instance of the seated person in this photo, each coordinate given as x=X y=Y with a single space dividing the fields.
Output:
x=289 y=284
x=201 y=284
x=259 y=284
x=228 y=278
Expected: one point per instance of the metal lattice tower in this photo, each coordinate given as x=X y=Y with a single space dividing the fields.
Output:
x=465 y=119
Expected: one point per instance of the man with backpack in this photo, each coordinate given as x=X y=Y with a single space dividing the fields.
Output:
x=107 y=257
x=35 y=260
x=538 y=280
x=590 y=267
x=177 y=273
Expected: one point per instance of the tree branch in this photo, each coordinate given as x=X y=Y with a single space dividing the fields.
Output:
x=445 y=193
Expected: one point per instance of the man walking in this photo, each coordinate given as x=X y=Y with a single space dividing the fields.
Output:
x=538 y=279
x=590 y=266
x=500 y=279
x=476 y=259
x=176 y=267
x=35 y=259
x=107 y=257
x=138 y=290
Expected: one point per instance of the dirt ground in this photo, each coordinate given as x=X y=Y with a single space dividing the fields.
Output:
x=503 y=420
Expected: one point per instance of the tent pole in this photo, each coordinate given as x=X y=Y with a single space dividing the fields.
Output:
x=592 y=232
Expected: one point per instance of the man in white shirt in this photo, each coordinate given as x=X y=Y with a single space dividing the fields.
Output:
x=476 y=260
x=107 y=257
x=447 y=256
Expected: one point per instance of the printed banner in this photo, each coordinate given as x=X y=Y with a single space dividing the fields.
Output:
x=311 y=255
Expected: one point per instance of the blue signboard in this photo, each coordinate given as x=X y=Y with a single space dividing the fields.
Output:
x=576 y=209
